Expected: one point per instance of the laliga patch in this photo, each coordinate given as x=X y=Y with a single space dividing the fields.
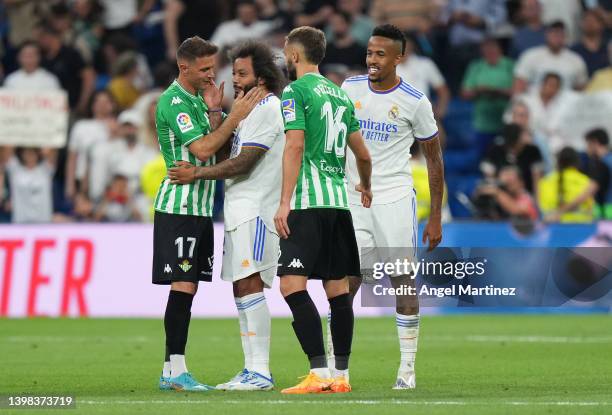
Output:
x=184 y=122
x=289 y=110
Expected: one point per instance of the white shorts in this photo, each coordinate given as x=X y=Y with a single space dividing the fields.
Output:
x=249 y=249
x=386 y=232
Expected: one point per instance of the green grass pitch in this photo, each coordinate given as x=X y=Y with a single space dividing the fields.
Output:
x=467 y=364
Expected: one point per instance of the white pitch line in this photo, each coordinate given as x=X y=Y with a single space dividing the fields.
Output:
x=342 y=402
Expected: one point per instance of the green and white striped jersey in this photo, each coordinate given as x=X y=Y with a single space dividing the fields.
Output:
x=324 y=112
x=181 y=118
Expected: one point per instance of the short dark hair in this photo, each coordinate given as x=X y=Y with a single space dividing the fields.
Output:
x=312 y=40
x=556 y=25
x=567 y=157
x=195 y=47
x=598 y=135
x=29 y=43
x=264 y=63
x=553 y=75
x=391 y=32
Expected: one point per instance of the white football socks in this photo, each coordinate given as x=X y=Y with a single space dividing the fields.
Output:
x=258 y=324
x=244 y=334
x=177 y=365
x=166 y=370
x=408 y=334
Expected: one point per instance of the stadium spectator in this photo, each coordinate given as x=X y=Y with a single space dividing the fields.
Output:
x=506 y=197
x=531 y=32
x=602 y=79
x=65 y=62
x=118 y=204
x=30 y=76
x=593 y=46
x=343 y=49
x=488 y=82
x=566 y=11
x=566 y=194
x=534 y=63
x=121 y=15
x=361 y=24
x=130 y=155
x=23 y=16
x=514 y=148
x=30 y=174
x=315 y=13
x=599 y=169
x=279 y=19
x=336 y=73
x=546 y=106
x=469 y=22
x=117 y=46
x=423 y=74
x=183 y=19
x=246 y=26
x=85 y=134
x=417 y=16
x=123 y=84
x=88 y=27
x=519 y=114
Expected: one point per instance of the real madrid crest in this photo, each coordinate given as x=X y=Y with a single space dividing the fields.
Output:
x=394 y=113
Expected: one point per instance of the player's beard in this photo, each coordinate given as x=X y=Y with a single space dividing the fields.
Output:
x=246 y=89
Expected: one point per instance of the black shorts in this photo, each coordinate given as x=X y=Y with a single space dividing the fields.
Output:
x=321 y=245
x=182 y=248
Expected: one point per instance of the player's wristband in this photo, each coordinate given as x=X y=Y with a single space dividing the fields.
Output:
x=215 y=110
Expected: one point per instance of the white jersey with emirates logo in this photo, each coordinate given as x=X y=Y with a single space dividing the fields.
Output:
x=257 y=194
x=390 y=121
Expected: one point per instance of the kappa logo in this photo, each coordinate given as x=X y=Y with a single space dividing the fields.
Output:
x=184 y=122
x=185 y=265
x=167 y=269
x=295 y=263
x=176 y=101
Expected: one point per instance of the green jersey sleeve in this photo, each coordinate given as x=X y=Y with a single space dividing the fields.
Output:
x=185 y=124
x=353 y=122
x=293 y=107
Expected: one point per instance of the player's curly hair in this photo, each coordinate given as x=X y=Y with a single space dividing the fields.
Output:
x=391 y=32
x=264 y=63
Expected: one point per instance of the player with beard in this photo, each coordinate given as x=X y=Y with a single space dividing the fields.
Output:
x=313 y=218
x=393 y=114
x=189 y=127
x=251 y=198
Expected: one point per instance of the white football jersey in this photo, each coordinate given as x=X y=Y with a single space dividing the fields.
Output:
x=390 y=122
x=257 y=194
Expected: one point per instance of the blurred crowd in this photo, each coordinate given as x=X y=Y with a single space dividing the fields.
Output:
x=500 y=73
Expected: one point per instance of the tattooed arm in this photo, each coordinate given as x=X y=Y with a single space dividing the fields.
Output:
x=242 y=164
x=435 y=170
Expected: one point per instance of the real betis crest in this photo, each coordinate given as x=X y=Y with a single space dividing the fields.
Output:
x=185 y=265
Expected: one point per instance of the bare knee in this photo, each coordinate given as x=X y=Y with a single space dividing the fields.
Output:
x=250 y=285
x=290 y=284
x=334 y=288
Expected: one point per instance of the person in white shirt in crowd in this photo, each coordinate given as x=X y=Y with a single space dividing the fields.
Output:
x=30 y=76
x=245 y=26
x=555 y=56
x=129 y=155
x=120 y=15
x=85 y=134
x=30 y=174
x=423 y=74
x=546 y=106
